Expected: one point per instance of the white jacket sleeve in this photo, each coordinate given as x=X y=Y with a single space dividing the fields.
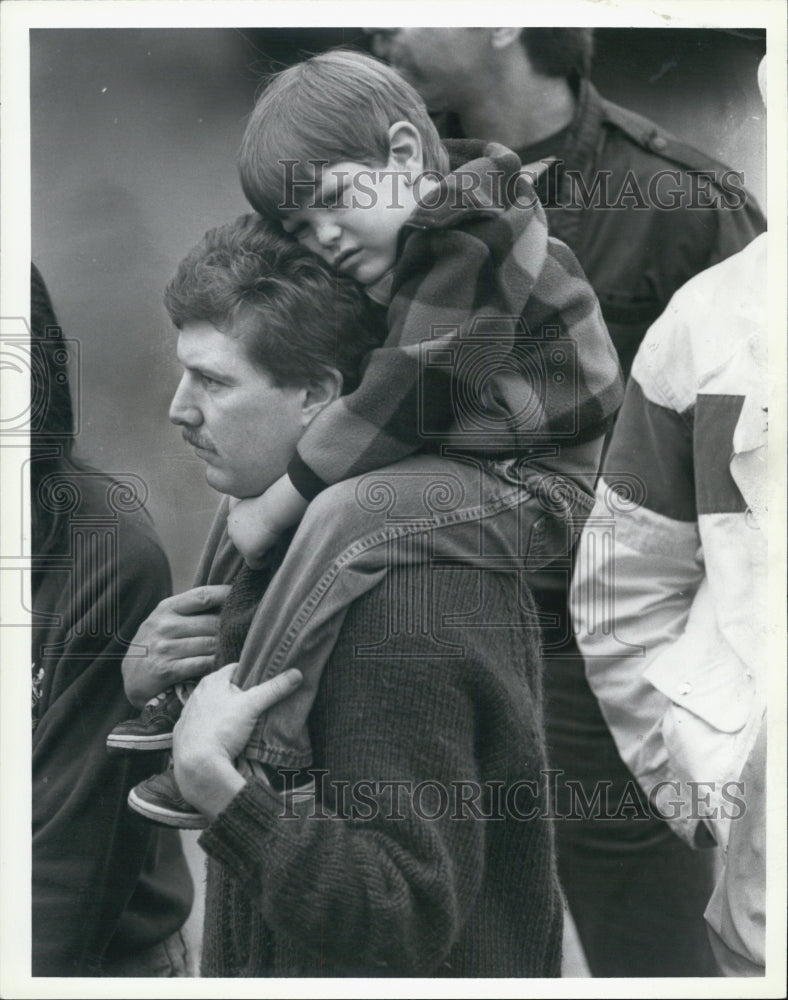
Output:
x=668 y=594
x=636 y=575
x=639 y=563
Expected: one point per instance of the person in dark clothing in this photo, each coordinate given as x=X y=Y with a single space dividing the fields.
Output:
x=643 y=212
x=109 y=894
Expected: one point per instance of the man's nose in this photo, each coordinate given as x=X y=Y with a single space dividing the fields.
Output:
x=380 y=40
x=183 y=410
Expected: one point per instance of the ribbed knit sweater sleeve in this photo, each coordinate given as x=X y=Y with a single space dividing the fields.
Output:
x=408 y=894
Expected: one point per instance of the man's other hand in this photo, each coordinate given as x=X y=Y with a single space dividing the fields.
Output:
x=214 y=728
x=180 y=638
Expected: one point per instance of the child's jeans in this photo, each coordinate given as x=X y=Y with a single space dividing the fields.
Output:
x=491 y=516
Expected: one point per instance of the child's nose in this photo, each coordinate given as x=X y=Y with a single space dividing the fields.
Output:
x=327 y=232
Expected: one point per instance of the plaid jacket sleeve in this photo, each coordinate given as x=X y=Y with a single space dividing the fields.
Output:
x=495 y=342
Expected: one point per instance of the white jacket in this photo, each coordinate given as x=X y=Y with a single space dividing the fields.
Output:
x=669 y=592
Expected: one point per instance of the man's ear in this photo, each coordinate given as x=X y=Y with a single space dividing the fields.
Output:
x=502 y=38
x=405 y=149
x=319 y=393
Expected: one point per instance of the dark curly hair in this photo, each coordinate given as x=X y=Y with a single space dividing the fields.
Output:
x=295 y=316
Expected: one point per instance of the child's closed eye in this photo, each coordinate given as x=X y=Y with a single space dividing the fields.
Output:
x=292 y=228
x=334 y=199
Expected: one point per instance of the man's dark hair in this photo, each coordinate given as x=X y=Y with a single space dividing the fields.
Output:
x=296 y=318
x=566 y=52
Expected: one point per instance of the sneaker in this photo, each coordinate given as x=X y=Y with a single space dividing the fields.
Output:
x=152 y=729
x=159 y=799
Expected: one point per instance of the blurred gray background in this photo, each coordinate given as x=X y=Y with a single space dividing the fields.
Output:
x=134 y=135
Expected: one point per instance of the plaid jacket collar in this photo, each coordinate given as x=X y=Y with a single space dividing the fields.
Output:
x=457 y=200
x=475 y=188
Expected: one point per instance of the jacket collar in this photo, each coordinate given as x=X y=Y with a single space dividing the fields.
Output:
x=583 y=137
x=475 y=189
x=580 y=149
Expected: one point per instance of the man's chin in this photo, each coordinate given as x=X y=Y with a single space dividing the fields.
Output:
x=219 y=482
x=223 y=483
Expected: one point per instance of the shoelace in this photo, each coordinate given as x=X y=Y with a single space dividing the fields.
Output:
x=157 y=699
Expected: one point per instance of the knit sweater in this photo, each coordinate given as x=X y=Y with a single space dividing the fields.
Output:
x=368 y=894
x=246 y=592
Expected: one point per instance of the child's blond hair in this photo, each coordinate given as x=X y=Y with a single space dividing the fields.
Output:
x=333 y=107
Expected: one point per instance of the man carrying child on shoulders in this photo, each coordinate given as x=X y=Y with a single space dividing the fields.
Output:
x=495 y=350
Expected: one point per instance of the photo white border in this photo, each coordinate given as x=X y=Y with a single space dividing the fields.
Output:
x=16 y=18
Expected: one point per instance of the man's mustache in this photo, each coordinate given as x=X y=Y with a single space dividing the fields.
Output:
x=196 y=441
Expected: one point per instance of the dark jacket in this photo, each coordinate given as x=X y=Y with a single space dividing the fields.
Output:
x=638 y=254
x=105 y=886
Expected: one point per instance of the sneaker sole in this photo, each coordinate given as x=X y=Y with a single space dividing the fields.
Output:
x=159 y=814
x=162 y=741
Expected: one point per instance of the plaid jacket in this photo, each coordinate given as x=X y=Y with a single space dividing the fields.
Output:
x=496 y=344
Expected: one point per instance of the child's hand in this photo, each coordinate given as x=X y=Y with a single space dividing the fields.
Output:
x=254 y=524
x=247 y=528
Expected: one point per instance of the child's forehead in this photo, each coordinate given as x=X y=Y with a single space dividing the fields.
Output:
x=306 y=185
x=317 y=171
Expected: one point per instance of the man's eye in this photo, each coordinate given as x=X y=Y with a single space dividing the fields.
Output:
x=209 y=383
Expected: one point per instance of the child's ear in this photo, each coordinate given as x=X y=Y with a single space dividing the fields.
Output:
x=319 y=393
x=405 y=149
